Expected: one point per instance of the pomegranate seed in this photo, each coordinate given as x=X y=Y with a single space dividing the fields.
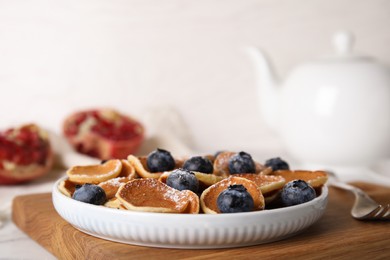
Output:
x=80 y=118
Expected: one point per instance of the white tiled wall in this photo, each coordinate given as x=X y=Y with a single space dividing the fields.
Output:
x=58 y=56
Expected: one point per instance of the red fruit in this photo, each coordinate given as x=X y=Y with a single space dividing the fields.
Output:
x=103 y=133
x=25 y=154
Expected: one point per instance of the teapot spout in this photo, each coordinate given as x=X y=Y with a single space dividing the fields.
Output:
x=267 y=86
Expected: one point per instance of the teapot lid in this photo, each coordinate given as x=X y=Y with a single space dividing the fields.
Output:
x=343 y=42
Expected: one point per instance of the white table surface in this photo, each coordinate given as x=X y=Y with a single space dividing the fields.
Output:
x=14 y=243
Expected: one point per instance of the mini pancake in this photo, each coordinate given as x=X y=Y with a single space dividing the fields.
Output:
x=151 y=195
x=315 y=178
x=193 y=202
x=208 y=179
x=67 y=187
x=221 y=164
x=111 y=186
x=266 y=171
x=127 y=170
x=208 y=199
x=95 y=174
x=141 y=168
x=114 y=203
x=270 y=185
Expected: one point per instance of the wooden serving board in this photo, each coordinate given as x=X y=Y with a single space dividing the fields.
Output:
x=337 y=234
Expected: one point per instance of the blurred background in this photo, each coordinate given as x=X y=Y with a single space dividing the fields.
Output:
x=60 y=56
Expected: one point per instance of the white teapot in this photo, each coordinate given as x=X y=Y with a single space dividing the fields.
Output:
x=333 y=112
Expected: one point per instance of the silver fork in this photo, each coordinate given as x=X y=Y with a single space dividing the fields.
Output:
x=364 y=208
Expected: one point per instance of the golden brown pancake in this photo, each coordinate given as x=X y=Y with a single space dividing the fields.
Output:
x=315 y=178
x=111 y=186
x=114 y=203
x=95 y=174
x=67 y=187
x=266 y=183
x=151 y=195
x=221 y=164
x=208 y=199
x=193 y=202
x=127 y=170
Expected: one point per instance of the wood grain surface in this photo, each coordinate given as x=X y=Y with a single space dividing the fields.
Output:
x=336 y=235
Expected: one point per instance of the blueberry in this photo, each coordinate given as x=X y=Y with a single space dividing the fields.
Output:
x=199 y=164
x=182 y=179
x=277 y=164
x=235 y=199
x=241 y=163
x=297 y=192
x=90 y=193
x=160 y=161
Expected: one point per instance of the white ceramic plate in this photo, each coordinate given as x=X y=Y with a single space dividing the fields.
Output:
x=188 y=230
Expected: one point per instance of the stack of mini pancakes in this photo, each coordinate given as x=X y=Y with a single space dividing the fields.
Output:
x=129 y=185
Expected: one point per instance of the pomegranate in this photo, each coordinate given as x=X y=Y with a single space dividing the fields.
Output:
x=25 y=154
x=103 y=133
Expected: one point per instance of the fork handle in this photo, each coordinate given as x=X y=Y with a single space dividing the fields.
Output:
x=341 y=185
